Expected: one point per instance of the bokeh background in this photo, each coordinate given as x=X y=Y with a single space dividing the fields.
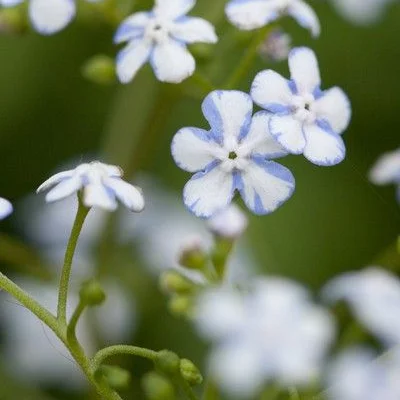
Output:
x=50 y=114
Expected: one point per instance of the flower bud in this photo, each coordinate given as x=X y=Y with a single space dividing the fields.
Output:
x=116 y=377
x=157 y=387
x=190 y=372
x=167 y=362
x=91 y=293
x=174 y=282
x=100 y=69
x=180 y=305
x=276 y=46
x=193 y=256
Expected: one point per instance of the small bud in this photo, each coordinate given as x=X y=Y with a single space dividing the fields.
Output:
x=116 y=377
x=12 y=21
x=174 y=282
x=157 y=387
x=193 y=256
x=167 y=362
x=276 y=46
x=100 y=69
x=190 y=372
x=180 y=305
x=91 y=293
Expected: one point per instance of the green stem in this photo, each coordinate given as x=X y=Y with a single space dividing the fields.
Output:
x=211 y=391
x=71 y=330
x=69 y=255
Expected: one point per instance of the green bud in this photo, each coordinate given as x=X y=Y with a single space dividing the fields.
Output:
x=180 y=305
x=100 y=69
x=174 y=282
x=193 y=257
x=157 y=387
x=167 y=362
x=116 y=377
x=12 y=21
x=190 y=372
x=91 y=293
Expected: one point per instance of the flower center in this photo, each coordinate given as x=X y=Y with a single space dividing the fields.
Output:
x=157 y=30
x=232 y=155
x=302 y=106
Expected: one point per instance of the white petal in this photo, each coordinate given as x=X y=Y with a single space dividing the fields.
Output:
x=229 y=114
x=172 y=62
x=229 y=223
x=96 y=195
x=334 y=107
x=172 y=9
x=386 y=169
x=193 y=149
x=57 y=178
x=251 y=14
x=131 y=58
x=6 y=208
x=50 y=16
x=113 y=170
x=304 y=69
x=192 y=30
x=132 y=27
x=128 y=194
x=10 y=3
x=288 y=132
x=265 y=186
x=259 y=138
x=305 y=16
x=361 y=12
x=208 y=192
x=64 y=189
x=323 y=147
x=271 y=91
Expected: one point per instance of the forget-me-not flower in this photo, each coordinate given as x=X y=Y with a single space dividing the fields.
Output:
x=160 y=36
x=234 y=155
x=101 y=186
x=48 y=16
x=6 y=208
x=252 y=14
x=306 y=119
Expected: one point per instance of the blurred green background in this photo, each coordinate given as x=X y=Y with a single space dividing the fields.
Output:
x=336 y=221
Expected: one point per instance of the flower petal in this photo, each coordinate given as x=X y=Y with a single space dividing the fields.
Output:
x=288 y=132
x=305 y=16
x=265 y=185
x=304 y=69
x=6 y=208
x=386 y=169
x=57 y=178
x=132 y=27
x=172 y=62
x=113 y=170
x=50 y=16
x=10 y=3
x=172 y=9
x=271 y=91
x=192 y=30
x=334 y=107
x=128 y=194
x=323 y=146
x=131 y=58
x=209 y=192
x=250 y=14
x=64 y=189
x=229 y=114
x=96 y=195
x=192 y=149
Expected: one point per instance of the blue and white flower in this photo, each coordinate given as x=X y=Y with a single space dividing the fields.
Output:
x=6 y=208
x=306 y=119
x=234 y=155
x=101 y=186
x=160 y=37
x=48 y=16
x=252 y=14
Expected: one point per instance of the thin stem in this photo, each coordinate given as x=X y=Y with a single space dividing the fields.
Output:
x=71 y=330
x=69 y=255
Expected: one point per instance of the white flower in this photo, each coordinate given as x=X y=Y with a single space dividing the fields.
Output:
x=161 y=36
x=252 y=14
x=6 y=208
x=374 y=296
x=234 y=155
x=358 y=375
x=306 y=120
x=229 y=223
x=276 y=47
x=48 y=16
x=273 y=332
x=100 y=183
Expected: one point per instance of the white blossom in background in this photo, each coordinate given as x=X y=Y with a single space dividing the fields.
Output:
x=276 y=47
x=306 y=120
x=48 y=16
x=229 y=223
x=358 y=374
x=387 y=170
x=252 y=14
x=234 y=155
x=6 y=208
x=273 y=332
x=160 y=36
x=374 y=296
x=100 y=183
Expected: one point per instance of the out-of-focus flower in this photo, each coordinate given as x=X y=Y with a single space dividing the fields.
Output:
x=306 y=120
x=252 y=14
x=234 y=155
x=358 y=375
x=161 y=36
x=229 y=223
x=48 y=16
x=276 y=47
x=6 y=208
x=273 y=332
x=100 y=183
x=387 y=170
x=374 y=296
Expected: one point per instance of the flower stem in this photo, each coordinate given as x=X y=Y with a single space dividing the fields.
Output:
x=71 y=330
x=69 y=255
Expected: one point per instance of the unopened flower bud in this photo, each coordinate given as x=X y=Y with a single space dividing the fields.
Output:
x=91 y=293
x=157 y=387
x=174 y=282
x=116 y=377
x=190 y=372
x=193 y=256
x=167 y=362
x=100 y=69
x=230 y=223
x=276 y=46
x=180 y=305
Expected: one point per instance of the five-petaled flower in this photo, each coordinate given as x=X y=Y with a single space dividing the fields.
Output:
x=101 y=185
x=6 y=208
x=306 y=119
x=161 y=36
x=48 y=16
x=233 y=155
x=252 y=14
